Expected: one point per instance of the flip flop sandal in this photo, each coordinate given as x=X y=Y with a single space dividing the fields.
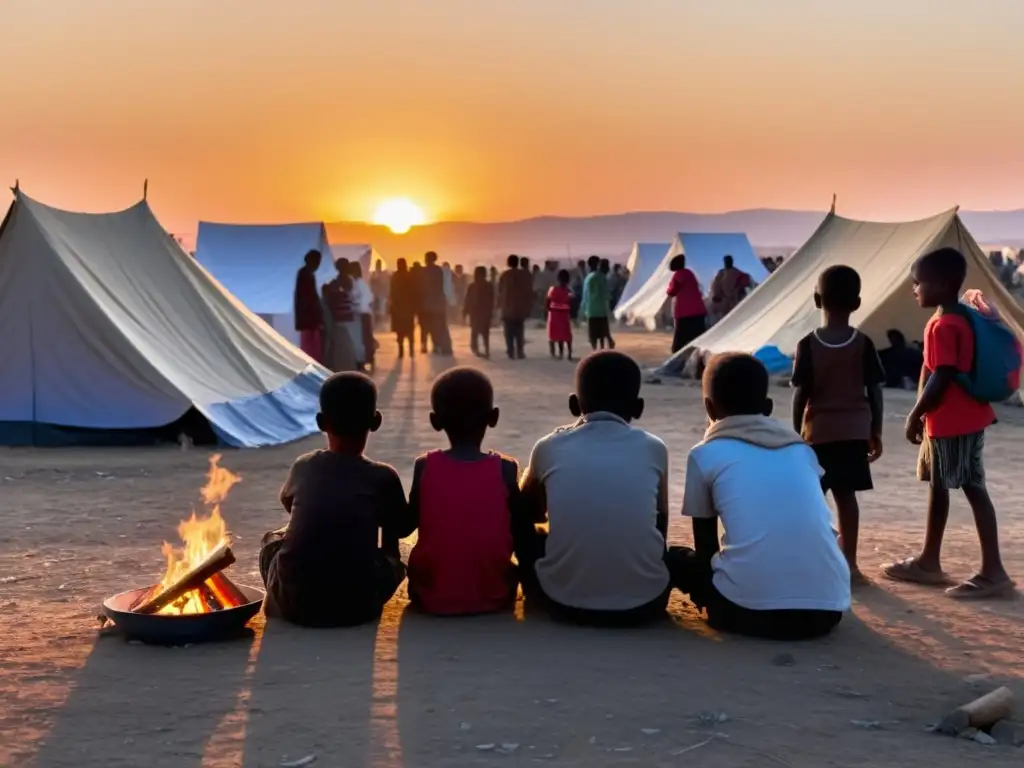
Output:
x=980 y=587
x=910 y=572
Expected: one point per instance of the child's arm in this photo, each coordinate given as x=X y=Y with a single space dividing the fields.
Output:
x=698 y=504
x=523 y=530
x=410 y=519
x=945 y=340
x=392 y=513
x=533 y=497
x=874 y=377
x=287 y=494
x=801 y=383
x=662 y=519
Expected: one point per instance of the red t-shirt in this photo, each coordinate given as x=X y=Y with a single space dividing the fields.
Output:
x=686 y=291
x=949 y=341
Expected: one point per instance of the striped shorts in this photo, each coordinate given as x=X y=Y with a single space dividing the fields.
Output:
x=952 y=462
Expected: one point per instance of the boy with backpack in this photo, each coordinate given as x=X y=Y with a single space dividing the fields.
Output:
x=970 y=361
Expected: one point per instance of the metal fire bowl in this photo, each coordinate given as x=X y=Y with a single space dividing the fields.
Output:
x=180 y=630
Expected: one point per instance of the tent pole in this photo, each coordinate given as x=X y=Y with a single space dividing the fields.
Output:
x=145 y=189
x=832 y=210
x=16 y=188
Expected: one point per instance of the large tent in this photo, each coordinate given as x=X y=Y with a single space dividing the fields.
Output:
x=781 y=311
x=704 y=252
x=258 y=263
x=109 y=329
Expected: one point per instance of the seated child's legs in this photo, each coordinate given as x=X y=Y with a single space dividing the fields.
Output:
x=726 y=616
x=690 y=574
x=269 y=546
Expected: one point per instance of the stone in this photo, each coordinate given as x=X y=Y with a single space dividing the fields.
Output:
x=784 y=660
x=867 y=725
x=1009 y=733
x=983 y=738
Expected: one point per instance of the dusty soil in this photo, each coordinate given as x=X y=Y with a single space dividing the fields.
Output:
x=79 y=525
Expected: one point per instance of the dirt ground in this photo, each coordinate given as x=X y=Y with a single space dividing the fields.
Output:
x=79 y=525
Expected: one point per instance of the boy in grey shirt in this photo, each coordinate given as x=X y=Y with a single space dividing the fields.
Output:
x=602 y=487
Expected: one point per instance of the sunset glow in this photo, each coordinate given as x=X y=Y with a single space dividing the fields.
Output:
x=261 y=111
x=399 y=215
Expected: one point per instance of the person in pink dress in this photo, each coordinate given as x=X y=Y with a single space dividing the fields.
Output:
x=558 y=306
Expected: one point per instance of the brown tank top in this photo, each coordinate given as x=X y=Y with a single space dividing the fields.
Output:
x=837 y=409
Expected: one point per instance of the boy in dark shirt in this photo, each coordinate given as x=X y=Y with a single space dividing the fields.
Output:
x=837 y=402
x=950 y=425
x=326 y=568
x=478 y=309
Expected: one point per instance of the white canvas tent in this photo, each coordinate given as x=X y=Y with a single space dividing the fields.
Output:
x=108 y=327
x=643 y=260
x=704 y=252
x=258 y=264
x=364 y=253
x=781 y=311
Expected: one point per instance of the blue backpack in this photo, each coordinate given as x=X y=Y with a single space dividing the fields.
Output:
x=995 y=370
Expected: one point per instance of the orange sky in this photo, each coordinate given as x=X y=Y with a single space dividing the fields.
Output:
x=262 y=110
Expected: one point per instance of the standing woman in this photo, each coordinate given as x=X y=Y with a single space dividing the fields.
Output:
x=688 y=309
x=339 y=351
x=402 y=306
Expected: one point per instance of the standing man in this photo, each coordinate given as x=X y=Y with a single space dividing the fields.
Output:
x=435 y=304
x=728 y=288
x=595 y=305
x=380 y=284
x=309 y=313
x=515 y=298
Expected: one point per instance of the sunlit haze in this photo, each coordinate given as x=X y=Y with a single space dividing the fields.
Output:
x=259 y=110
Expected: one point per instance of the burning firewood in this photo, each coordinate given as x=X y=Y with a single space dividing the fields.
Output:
x=219 y=559
x=226 y=591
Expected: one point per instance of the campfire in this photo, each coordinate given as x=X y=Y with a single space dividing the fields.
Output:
x=194 y=582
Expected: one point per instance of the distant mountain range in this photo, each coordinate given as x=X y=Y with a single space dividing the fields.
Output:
x=770 y=231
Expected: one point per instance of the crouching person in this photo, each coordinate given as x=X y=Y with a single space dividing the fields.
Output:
x=326 y=568
x=779 y=572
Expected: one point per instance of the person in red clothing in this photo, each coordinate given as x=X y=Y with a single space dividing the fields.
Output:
x=688 y=310
x=466 y=504
x=557 y=308
x=309 y=315
x=950 y=427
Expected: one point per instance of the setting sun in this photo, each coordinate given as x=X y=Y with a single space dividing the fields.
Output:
x=399 y=215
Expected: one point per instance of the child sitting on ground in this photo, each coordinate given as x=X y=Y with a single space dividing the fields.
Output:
x=950 y=425
x=779 y=573
x=325 y=569
x=465 y=503
x=837 y=402
x=602 y=486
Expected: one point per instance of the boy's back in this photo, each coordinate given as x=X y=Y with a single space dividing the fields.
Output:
x=601 y=479
x=779 y=551
x=835 y=377
x=323 y=572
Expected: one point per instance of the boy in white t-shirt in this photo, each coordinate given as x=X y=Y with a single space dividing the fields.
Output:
x=778 y=572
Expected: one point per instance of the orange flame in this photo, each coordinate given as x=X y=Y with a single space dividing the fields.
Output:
x=200 y=537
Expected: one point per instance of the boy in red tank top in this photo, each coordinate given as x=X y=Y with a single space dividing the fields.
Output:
x=465 y=502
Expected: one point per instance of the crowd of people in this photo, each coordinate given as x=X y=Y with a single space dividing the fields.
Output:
x=336 y=325
x=587 y=521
